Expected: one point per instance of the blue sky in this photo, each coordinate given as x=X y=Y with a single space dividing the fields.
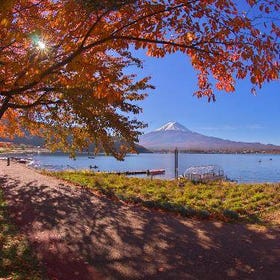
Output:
x=238 y=116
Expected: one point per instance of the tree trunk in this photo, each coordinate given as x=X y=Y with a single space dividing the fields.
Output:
x=4 y=106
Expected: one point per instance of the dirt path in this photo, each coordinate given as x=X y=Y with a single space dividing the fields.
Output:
x=78 y=235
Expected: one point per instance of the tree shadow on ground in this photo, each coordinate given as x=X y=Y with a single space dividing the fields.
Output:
x=79 y=235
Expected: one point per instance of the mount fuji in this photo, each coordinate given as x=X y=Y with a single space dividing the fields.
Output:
x=173 y=134
x=173 y=126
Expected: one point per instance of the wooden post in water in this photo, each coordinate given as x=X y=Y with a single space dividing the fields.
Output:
x=176 y=163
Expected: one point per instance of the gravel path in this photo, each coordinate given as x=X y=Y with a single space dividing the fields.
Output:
x=79 y=235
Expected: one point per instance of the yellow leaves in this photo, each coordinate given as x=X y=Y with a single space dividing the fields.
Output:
x=229 y=88
x=105 y=91
x=156 y=52
x=89 y=83
x=1 y=128
x=10 y=125
x=190 y=36
x=241 y=73
x=273 y=74
x=68 y=47
x=4 y=22
x=118 y=14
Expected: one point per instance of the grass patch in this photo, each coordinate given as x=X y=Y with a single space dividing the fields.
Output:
x=16 y=258
x=219 y=200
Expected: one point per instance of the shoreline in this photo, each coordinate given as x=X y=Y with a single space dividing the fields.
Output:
x=267 y=216
x=73 y=231
x=263 y=170
x=24 y=151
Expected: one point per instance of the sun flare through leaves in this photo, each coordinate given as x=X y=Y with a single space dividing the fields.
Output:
x=63 y=64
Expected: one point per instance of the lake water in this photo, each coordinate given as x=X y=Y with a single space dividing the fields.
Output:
x=239 y=167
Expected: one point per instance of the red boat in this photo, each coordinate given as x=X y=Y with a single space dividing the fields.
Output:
x=155 y=171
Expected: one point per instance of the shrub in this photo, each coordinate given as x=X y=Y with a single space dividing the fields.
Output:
x=201 y=200
x=230 y=214
x=203 y=214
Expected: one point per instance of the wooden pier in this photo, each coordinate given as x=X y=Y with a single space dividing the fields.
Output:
x=149 y=172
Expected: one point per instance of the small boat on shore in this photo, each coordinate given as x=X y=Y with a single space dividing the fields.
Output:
x=153 y=172
x=22 y=160
x=205 y=173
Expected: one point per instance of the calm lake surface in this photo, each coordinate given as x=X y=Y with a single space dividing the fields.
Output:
x=239 y=167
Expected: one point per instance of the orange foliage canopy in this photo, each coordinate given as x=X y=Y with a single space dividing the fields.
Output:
x=62 y=63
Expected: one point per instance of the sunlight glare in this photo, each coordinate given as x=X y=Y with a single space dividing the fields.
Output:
x=41 y=45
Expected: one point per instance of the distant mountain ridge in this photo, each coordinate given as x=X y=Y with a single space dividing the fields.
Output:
x=173 y=134
x=39 y=141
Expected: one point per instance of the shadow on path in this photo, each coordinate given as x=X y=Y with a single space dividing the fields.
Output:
x=78 y=235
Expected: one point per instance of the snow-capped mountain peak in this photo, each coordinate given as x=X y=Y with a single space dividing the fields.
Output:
x=172 y=126
x=174 y=135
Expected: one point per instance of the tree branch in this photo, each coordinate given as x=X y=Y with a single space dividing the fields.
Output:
x=4 y=106
x=34 y=104
x=162 y=42
x=147 y=16
x=92 y=27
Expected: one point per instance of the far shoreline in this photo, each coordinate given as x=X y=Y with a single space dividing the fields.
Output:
x=36 y=150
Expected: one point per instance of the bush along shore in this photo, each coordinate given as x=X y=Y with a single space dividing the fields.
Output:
x=214 y=200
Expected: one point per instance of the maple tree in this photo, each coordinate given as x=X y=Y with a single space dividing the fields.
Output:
x=63 y=63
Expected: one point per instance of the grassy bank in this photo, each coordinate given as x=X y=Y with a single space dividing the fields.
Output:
x=219 y=200
x=16 y=259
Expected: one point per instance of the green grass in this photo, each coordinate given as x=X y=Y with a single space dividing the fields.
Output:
x=16 y=258
x=218 y=200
